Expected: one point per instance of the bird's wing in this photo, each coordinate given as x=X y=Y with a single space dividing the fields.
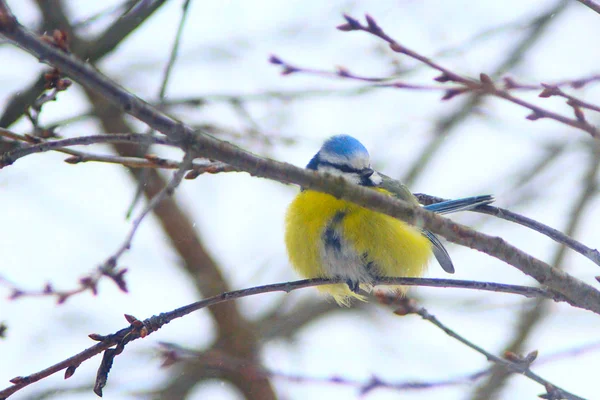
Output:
x=467 y=203
x=402 y=192
x=397 y=189
x=440 y=252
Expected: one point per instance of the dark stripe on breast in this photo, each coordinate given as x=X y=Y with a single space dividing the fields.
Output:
x=370 y=266
x=331 y=235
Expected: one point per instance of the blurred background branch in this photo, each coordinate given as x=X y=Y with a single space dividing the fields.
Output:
x=211 y=79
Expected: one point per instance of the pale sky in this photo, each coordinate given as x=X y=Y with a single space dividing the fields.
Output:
x=60 y=221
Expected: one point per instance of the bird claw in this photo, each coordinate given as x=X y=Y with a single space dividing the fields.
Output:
x=354 y=286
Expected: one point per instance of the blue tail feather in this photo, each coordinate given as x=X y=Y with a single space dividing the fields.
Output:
x=466 y=203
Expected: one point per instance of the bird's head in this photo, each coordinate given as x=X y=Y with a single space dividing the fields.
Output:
x=344 y=156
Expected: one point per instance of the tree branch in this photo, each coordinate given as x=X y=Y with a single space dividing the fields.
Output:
x=141 y=329
x=502 y=213
x=11 y=156
x=591 y=4
x=577 y=293
x=91 y=51
x=483 y=85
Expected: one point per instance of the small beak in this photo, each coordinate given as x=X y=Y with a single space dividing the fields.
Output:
x=367 y=172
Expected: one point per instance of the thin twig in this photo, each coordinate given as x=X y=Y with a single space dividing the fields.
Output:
x=150 y=161
x=168 y=190
x=444 y=127
x=576 y=83
x=525 y=291
x=502 y=213
x=553 y=89
x=547 y=90
x=173 y=353
x=104 y=13
x=512 y=366
x=530 y=317
x=221 y=361
x=152 y=324
x=483 y=85
x=92 y=51
x=11 y=156
x=174 y=50
x=142 y=181
x=591 y=4
x=109 y=267
x=578 y=293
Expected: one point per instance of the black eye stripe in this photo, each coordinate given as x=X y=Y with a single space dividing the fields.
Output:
x=343 y=168
x=364 y=174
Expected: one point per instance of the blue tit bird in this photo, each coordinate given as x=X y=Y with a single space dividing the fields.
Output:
x=328 y=237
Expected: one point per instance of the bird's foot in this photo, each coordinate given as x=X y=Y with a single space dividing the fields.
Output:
x=354 y=286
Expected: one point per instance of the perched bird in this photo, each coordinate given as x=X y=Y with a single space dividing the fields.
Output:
x=331 y=238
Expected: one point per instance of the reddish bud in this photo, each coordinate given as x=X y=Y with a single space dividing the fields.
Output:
x=342 y=71
x=144 y=332
x=373 y=27
x=579 y=114
x=449 y=94
x=486 y=82
x=273 y=59
x=192 y=174
x=89 y=283
x=16 y=293
x=70 y=371
x=119 y=279
x=288 y=70
x=549 y=91
x=443 y=78
x=18 y=380
x=63 y=84
x=352 y=22
x=110 y=263
x=509 y=83
x=345 y=28
x=61 y=40
x=510 y=356
x=153 y=158
x=534 y=116
x=130 y=318
x=396 y=47
x=552 y=393
x=73 y=159
x=529 y=358
x=48 y=133
x=61 y=298
x=401 y=311
x=96 y=337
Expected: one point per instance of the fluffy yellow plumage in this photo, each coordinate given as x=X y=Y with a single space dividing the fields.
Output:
x=331 y=238
x=390 y=246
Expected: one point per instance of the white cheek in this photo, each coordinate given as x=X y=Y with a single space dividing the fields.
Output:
x=354 y=178
x=376 y=179
x=333 y=158
x=359 y=162
x=356 y=161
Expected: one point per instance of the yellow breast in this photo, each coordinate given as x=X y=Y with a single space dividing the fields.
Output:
x=396 y=248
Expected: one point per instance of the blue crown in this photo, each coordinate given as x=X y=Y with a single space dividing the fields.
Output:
x=339 y=145
x=344 y=145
